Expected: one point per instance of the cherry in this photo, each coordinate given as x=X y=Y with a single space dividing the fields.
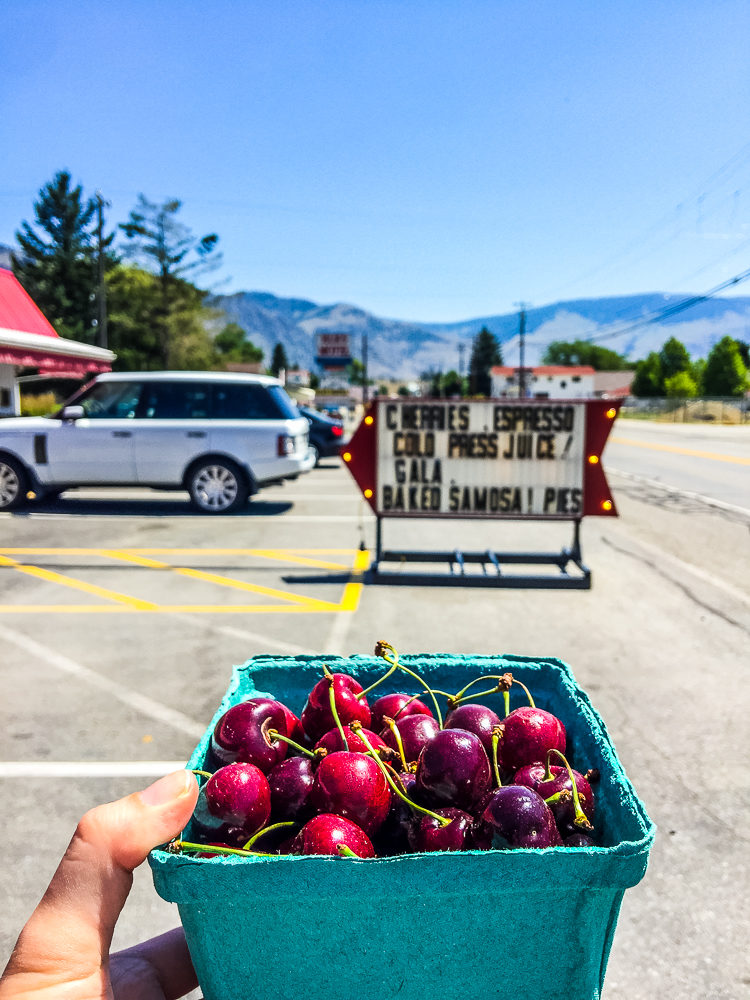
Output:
x=398 y=706
x=211 y=829
x=239 y=795
x=393 y=836
x=520 y=818
x=453 y=769
x=325 y=833
x=290 y=783
x=415 y=732
x=558 y=786
x=317 y=717
x=477 y=719
x=579 y=840
x=352 y=785
x=332 y=741
x=527 y=734
x=242 y=734
x=427 y=834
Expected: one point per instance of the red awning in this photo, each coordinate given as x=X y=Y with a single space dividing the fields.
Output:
x=28 y=339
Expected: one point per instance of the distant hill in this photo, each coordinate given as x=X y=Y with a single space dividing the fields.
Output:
x=406 y=349
x=5 y=252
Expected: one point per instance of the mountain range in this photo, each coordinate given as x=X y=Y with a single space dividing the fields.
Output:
x=632 y=325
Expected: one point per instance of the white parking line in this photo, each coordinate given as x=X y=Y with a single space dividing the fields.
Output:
x=141 y=703
x=89 y=768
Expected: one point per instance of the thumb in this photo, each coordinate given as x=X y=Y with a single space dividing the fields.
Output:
x=68 y=936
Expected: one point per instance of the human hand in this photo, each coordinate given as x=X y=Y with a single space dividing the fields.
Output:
x=63 y=951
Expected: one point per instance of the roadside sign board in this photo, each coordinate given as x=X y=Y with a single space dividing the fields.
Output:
x=496 y=458
x=333 y=350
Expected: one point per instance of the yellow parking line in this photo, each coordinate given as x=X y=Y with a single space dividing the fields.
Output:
x=68 y=581
x=293 y=602
x=734 y=459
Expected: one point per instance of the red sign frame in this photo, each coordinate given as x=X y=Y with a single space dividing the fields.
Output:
x=361 y=458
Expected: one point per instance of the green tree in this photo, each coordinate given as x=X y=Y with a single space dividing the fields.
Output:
x=232 y=345
x=57 y=264
x=278 y=360
x=673 y=358
x=647 y=380
x=452 y=384
x=583 y=352
x=135 y=313
x=485 y=352
x=164 y=245
x=725 y=374
x=744 y=349
x=681 y=385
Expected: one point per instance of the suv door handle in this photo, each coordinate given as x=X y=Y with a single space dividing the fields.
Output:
x=122 y=434
x=196 y=434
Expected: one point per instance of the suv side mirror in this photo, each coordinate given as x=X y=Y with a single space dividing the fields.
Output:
x=72 y=413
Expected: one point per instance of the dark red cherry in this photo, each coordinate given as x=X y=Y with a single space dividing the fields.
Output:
x=242 y=734
x=520 y=818
x=453 y=769
x=393 y=836
x=416 y=731
x=332 y=741
x=239 y=795
x=290 y=783
x=426 y=833
x=209 y=829
x=317 y=718
x=398 y=706
x=477 y=719
x=352 y=785
x=324 y=834
x=527 y=734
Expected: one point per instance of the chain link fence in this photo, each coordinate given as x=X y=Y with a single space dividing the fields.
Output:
x=706 y=409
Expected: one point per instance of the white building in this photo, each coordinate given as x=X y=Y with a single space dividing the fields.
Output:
x=544 y=382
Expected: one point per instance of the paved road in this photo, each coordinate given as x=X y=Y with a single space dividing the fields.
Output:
x=702 y=459
x=120 y=620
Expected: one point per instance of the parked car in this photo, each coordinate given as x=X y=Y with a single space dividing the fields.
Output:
x=220 y=436
x=326 y=434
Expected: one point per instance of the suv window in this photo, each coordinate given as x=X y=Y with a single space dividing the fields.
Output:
x=244 y=401
x=175 y=401
x=111 y=399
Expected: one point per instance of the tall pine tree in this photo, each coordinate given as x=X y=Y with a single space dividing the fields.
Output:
x=485 y=352
x=57 y=264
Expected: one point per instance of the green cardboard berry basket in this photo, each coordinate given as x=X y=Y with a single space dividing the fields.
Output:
x=522 y=924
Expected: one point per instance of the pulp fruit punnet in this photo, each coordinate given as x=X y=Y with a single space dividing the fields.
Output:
x=461 y=893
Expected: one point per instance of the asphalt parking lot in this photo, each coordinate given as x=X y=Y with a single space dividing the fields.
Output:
x=122 y=614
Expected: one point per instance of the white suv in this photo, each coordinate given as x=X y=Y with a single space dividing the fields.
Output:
x=219 y=436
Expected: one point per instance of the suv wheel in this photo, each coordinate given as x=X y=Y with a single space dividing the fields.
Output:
x=217 y=486
x=13 y=484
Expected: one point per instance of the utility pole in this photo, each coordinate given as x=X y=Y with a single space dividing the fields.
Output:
x=101 y=327
x=364 y=369
x=522 y=353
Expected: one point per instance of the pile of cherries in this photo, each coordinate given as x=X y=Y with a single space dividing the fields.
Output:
x=392 y=777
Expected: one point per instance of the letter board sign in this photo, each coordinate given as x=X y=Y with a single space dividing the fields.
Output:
x=483 y=458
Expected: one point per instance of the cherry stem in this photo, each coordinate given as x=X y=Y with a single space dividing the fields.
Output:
x=274 y=734
x=580 y=816
x=528 y=693
x=335 y=714
x=184 y=845
x=406 y=704
x=347 y=852
x=397 y=737
x=383 y=648
x=203 y=774
x=442 y=820
x=266 y=829
x=496 y=736
x=380 y=680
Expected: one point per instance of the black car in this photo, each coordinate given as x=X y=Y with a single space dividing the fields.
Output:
x=326 y=434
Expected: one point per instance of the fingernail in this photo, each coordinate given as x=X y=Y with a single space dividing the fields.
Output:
x=167 y=789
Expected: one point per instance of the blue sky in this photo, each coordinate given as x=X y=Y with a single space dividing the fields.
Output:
x=425 y=160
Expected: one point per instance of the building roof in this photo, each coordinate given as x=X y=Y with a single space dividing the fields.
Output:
x=546 y=370
x=28 y=339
